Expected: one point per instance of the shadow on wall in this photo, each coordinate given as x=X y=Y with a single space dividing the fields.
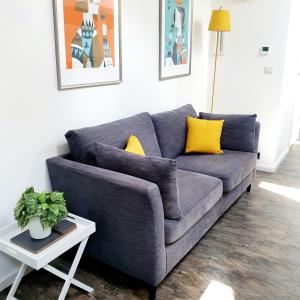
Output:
x=63 y=148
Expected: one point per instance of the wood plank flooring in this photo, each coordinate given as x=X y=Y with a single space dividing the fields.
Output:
x=253 y=252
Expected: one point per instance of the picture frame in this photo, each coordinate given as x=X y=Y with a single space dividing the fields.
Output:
x=175 y=38
x=88 y=42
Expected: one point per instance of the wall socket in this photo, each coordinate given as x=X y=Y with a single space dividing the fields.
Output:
x=268 y=70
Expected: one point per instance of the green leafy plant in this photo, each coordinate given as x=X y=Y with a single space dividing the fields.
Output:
x=49 y=207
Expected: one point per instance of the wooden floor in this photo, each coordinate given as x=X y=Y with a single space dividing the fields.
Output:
x=253 y=252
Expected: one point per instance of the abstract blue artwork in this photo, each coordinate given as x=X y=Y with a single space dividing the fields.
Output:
x=175 y=38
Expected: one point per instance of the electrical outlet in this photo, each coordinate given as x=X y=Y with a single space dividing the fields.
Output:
x=268 y=70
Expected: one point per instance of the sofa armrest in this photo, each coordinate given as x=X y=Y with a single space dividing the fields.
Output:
x=128 y=213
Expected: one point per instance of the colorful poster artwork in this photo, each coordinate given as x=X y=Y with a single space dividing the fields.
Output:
x=176 y=32
x=175 y=38
x=88 y=42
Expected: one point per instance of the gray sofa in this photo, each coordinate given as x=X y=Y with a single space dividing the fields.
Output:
x=132 y=233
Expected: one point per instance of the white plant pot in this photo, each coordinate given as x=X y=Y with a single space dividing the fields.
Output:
x=36 y=229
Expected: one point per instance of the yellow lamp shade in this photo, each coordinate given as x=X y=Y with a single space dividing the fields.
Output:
x=220 y=20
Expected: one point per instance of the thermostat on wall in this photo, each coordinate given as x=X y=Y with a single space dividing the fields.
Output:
x=265 y=50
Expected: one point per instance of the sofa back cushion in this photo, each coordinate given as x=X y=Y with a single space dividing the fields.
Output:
x=238 y=131
x=82 y=141
x=171 y=129
x=161 y=171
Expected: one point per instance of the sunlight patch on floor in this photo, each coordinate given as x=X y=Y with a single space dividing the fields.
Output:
x=282 y=190
x=218 y=291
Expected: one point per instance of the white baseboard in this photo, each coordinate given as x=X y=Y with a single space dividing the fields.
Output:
x=8 y=280
x=273 y=169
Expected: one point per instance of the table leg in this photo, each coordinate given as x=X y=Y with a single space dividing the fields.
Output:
x=82 y=286
x=16 y=283
x=70 y=276
x=64 y=276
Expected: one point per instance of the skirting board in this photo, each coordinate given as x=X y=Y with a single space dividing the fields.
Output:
x=8 y=281
x=273 y=169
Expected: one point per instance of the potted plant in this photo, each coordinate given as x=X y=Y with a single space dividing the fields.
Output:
x=40 y=211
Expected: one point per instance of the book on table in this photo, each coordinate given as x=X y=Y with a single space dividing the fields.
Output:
x=59 y=231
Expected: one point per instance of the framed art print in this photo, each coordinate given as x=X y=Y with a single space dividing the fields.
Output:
x=88 y=42
x=175 y=38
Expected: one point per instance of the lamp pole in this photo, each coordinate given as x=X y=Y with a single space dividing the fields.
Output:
x=215 y=71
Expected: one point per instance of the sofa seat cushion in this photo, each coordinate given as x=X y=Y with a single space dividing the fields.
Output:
x=82 y=141
x=197 y=195
x=232 y=167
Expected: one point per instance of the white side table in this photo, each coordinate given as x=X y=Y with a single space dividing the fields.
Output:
x=41 y=260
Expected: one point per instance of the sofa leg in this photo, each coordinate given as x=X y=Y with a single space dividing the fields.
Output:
x=249 y=188
x=152 y=293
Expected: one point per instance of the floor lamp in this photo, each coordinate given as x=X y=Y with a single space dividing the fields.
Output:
x=219 y=22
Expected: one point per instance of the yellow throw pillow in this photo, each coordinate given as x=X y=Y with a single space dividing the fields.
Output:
x=204 y=136
x=134 y=146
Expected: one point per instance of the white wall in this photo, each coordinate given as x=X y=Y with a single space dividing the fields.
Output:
x=290 y=99
x=241 y=85
x=34 y=115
